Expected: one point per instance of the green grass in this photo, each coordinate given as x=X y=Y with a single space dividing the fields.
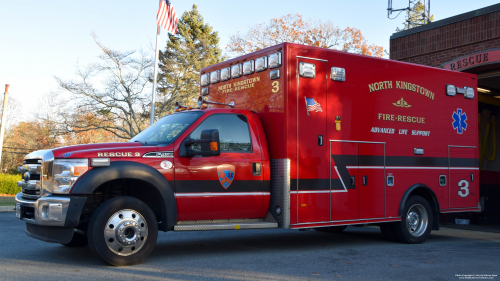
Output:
x=7 y=201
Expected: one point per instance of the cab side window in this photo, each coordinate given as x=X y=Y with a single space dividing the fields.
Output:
x=234 y=133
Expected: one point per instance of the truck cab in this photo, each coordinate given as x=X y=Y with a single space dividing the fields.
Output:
x=232 y=183
x=192 y=170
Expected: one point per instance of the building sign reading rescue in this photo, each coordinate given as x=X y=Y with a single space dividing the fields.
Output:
x=473 y=60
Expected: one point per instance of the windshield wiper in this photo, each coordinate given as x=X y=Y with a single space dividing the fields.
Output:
x=141 y=142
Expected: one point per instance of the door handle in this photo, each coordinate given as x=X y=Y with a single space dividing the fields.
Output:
x=256 y=168
x=353 y=180
x=365 y=180
x=320 y=140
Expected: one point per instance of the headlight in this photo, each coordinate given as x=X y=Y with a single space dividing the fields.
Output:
x=66 y=172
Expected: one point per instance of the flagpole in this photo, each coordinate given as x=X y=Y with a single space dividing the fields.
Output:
x=152 y=120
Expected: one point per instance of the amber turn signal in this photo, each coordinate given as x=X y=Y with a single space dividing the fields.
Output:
x=213 y=146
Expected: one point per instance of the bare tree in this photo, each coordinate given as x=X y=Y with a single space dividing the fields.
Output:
x=113 y=91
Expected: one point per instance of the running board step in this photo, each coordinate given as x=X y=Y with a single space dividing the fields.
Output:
x=225 y=226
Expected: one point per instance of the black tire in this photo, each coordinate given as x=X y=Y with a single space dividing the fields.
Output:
x=78 y=240
x=332 y=229
x=416 y=221
x=387 y=230
x=123 y=231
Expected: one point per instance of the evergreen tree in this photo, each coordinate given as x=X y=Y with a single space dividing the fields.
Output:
x=194 y=46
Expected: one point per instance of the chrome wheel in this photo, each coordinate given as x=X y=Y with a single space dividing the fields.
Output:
x=417 y=220
x=126 y=232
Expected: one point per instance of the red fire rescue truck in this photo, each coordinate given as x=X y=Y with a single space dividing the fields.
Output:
x=290 y=136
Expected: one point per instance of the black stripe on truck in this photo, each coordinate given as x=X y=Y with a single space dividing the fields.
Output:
x=342 y=161
x=199 y=186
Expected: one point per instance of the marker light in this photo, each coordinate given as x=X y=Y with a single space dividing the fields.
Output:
x=275 y=74
x=248 y=67
x=275 y=60
x=225 y=74
x=307 y=70
x=261 y=64
x=215 y=77
x=469 y=93
x=461 y=90
x=213 y=146
x=100 y=162
x=205 y=79
x=236 y=70
x=451 y=90
x=337 y=74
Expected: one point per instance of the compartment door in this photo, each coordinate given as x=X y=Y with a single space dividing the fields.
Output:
x=313 y=200
x=371 y=181
x=344 y=180
x=463 y=183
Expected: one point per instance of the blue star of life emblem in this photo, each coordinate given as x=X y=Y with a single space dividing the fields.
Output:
x=459 y=119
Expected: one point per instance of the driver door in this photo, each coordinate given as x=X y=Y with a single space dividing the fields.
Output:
x=224 y=186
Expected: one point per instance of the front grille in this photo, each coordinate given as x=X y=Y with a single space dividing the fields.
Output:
x=31 y=191
x=31 y=184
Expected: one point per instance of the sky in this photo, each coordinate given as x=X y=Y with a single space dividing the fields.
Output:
x=43 y=39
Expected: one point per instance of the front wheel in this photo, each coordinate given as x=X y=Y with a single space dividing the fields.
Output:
x=123 y=231
x=416 y=221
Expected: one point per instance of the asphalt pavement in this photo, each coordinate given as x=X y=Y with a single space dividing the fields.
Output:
x=360 y=253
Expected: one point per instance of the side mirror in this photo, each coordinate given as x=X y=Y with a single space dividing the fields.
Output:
x=209 y=144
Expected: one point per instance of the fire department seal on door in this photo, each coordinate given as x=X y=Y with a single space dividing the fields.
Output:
x=225 y=172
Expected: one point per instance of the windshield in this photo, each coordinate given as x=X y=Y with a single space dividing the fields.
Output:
x=167 y=129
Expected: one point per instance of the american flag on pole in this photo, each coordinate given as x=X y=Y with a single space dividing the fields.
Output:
x=313 y=105
x=166 y=17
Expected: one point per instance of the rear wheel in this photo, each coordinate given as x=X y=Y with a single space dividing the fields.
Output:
x=332 y=229
x=123 y=231
x=416 y=221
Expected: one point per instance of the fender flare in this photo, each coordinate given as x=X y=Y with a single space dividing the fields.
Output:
x=435 y=206
x=95 y=177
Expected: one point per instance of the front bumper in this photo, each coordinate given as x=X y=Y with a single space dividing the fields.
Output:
x=50 y=218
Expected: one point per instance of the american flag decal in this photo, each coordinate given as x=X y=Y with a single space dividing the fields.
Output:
x=313 y=105
x=166 y=17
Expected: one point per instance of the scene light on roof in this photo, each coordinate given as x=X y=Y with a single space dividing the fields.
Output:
x=236 y=70
x=261 y=64
x=215 y=76
x=225 y=74
x=275 y=60
x=205 y=79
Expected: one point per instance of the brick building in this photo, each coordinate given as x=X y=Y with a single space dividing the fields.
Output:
x=469 y=42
